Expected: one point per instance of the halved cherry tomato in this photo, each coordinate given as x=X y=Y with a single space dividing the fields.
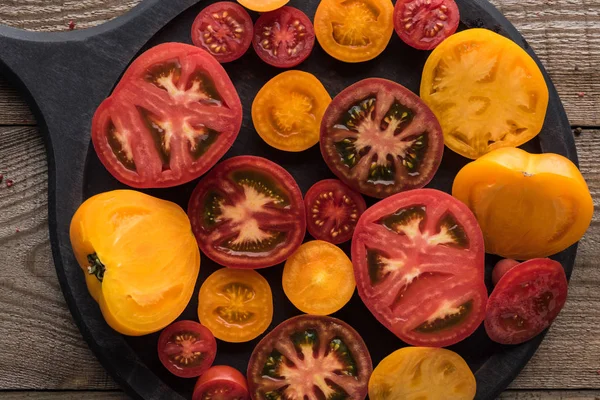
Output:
x=354 y=31
x=248 y=212
x=287 y=111
x=224 y=29
x=283 y=38
x=318 y=278
x=423 y=373
x=419 y=263
x=501 y=268
x=187 y=349
x=423 y=24
x=526 y=301
x=311 y=357
x=379 y=138
x=332 y=210
x=221 y=382
x=486 y=91
x=263 y=5
x=236 y=305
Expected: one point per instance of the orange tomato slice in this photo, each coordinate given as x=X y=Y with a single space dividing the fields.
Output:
x=263 y=5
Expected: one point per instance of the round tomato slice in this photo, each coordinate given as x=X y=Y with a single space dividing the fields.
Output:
x=379 y=138
x=187 y=349
x=318 y=278
x=236 y=305
x=248 y=212
x=332 y=210
x=526 y=301
x=419 y=264
x=312 y=357
x=354 y=31
x=486 y=91
x=287 y=111
x=172 y=116
x=221 y=382
x=283 y=38
x=224 y=29
x=263 y=5
x=425 y=24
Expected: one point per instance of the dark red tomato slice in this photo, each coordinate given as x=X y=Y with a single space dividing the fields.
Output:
x=332 y=211
x=221 y=382
x=418 y=260
x=248 y=212
x=310 y=357
x=501 y=268
x=172 y=116
x=526 y=301
x=379 y=138
x=187 y=349
x=283 y=38
x=423 y=24
x=224 y=29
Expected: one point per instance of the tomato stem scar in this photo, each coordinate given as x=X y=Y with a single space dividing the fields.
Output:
x=96 y=267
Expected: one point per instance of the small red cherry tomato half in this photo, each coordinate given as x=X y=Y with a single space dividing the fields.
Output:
x=248 y=212
x=224 y=29
x=187 y=349
x=501 y=268
x=419 y=265
x=332 y=211
x=221 y=382
x=379 y=138
x=283 y=38
x=526 y=301
x=425 y=24
x=310 y=357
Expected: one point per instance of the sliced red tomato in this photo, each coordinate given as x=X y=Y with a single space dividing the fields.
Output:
x=172 y=116
x=419 y=265
x=221 y=382
x=224 y=29
x=425 y=24
x=501 y=268
x=379 y=138
x=187 y=349
x=310 y=357
x=283 y=38
x=248 y=212
x=332 y=211
x=526 y=301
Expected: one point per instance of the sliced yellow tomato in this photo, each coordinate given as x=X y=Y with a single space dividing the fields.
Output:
x=486 y=91
x=263 y=5
x=318 y=278
x=528 y=205
x=423 y=373
x=287 y=111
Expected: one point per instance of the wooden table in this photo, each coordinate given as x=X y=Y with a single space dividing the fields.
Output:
x=42 y=354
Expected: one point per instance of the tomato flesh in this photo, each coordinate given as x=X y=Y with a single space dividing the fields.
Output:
x=423 y=24
x=221 y=382
x=263 y=5
x=526 y=301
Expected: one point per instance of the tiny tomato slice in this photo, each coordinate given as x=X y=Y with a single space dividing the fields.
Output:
x=425 y=24
x=501 y=268
x=287 y=111
x=236 y=305
x=419 y=264
x=224 y=29
x=248 y=212
x=187 y=349
x=318 y=278
x=310 y=357
x=221 y=382
x=283 y=38
x=354 y=31
x=422 y=372
x=379 y=138
x=526 y=301
x=263 y=5
x=332 y=211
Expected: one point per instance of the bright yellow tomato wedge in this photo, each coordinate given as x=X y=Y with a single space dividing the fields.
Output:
x=263 y=5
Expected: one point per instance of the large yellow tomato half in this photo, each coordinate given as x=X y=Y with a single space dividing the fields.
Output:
x=139 y=257
x=528 y=205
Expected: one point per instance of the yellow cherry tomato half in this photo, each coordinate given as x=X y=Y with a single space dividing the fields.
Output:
x=354 y=31
x=235 y=304
x=287 y=111
x=263 y=5
x=318 y=278
x=486 y=91
x=424 y=373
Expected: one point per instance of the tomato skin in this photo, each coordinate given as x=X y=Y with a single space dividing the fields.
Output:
x=501 y=268
x=263 y=5
x=222 y=377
